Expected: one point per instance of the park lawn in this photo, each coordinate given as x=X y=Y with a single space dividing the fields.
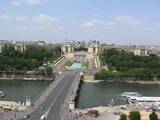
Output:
x=68 y=64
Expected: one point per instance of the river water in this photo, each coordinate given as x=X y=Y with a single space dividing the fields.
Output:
x=17 y=90
x=96 y=94
x=91 y=94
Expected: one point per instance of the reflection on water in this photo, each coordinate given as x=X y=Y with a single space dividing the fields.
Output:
x=17 y=90
x=96 y=94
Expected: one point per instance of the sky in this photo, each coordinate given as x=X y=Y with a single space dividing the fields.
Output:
x=110 y=21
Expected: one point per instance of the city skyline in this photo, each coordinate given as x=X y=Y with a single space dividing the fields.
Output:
x=135 y=22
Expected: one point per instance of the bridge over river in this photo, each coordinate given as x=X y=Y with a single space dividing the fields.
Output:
x=50 y=101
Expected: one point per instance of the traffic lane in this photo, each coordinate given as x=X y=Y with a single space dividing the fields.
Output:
x=37 y=113
x=54 y=113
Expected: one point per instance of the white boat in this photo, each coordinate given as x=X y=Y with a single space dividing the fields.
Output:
x=145 y=101
x=131 y=94
x=2 y=94
x=156 y=108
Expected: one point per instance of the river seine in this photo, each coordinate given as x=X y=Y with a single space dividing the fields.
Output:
x=91 y=94
x=97 y=94
x=17 y=90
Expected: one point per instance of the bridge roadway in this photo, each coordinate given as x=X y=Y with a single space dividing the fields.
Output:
x=52 y=104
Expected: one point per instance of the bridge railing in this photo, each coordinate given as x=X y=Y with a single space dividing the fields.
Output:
x=42 y=96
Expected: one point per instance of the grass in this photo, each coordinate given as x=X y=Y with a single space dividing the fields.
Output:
x=85 y=64
x=68 y=64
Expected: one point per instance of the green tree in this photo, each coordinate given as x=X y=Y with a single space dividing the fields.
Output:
x=153 y=116
x=49 y=71
x=12 y=60
x=129 y=65
x=123 y=117
x=34 y=63
x=134 y=115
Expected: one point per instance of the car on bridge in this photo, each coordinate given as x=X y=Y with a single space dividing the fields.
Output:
x=43 y=117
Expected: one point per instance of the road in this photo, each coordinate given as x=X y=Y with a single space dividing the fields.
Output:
x=53 y=102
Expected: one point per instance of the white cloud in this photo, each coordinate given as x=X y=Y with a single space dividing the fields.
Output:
x=150 y=30
x=5 y=17
x=96 y=15
x=89 y=24
x=44 y=18
x=21 y=18
x=110 y=23
x=92 y=23
x=30 y=2
x=60 y=28
x=114 y=21
x=126 y=19
x=13 y=17
x=25 y=28
x=15 y=3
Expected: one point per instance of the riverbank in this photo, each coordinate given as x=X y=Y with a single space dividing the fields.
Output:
x=111 y=112
x=25 y=77
x=126 y=81
x=93 y=81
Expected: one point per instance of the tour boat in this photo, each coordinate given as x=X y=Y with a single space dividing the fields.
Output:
x=156 y=108
x=145 y=101
x=131 y=94
x=2 y=94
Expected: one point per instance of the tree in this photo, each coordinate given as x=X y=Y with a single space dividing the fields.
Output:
x=34 y=63
x=129 y=65
x=153 y=116
x=49 y=71
x=134 y=115
x=123 y=117
x=30 y=59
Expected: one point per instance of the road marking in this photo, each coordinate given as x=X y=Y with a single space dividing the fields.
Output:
x=57 y=96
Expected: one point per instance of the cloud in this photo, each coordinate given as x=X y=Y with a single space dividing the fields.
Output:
x=44 y=18
x=89 y=24
x=30 y=2
x=60 y=28
x=150 y=30
x=92 y=23
x=21 y=18
x=13 y=17
x=96 y=15
x=126 y=19
x=5 y=17
x=115 y=21
x=110 y=23
x=15 y=3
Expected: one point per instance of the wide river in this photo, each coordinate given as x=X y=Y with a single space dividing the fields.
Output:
x=96 y=94
x=17 y=90
x=91 y=95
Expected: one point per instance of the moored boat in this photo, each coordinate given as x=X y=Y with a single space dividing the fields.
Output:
x=131 y=94
x=144 y=101
x=2 y=94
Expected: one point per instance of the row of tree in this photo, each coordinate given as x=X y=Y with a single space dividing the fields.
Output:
x=135 y=115
x=30 y=59
x=125 y=64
